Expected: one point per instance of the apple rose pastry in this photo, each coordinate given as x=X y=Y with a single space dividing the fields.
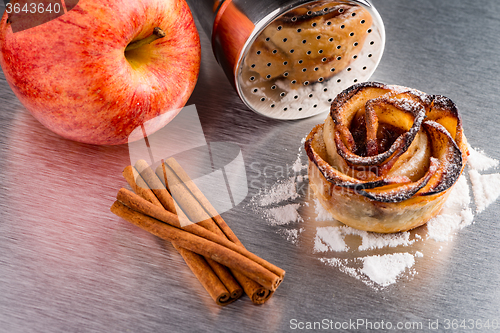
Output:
x=386 y=157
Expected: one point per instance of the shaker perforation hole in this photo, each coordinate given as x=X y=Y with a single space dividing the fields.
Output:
x=300 y=61
x=329 y=23
x=310 y=95
x=268 y=64
x=309 y=12
x=316 y=69
x=318 y=37
x=362 y=21
x=370 y=55
x=342 y=26
x=355 y=44
x=314 y=24
x=304 y=41
x=300 y=109
x=273 y=87
x=272 y=105
x=268 y=76
x=294 y=19
x=330 y=39
x=315 y=105
x=354 y=56
x=255 y=90
x=320 y=51
x=320 y=79
x=284 y=109
x=279 y=27
x=294 y=81
x=306 y=83
x=259 y=52
x=292 y=50
x=355 y=80
x=353 y=14
x=369 y=31
x=285 y=74
x=304 y=69
x=364 y=68
x=325 y=9
x=285 y=63
x=308 y=52
x=341 y=10
x=339 y=80
x=268 y=39
x=351 y=34
x=332 y=69
x=299 y=30
x=324 y=59
x=372 y=42
x=330 y=100
x=252 y=78
x=339 y=57
x=285 y=39
x=282 y=94
x=349 y=69
x=275 y=51
x=338 y=47
x=262 y=99
x=296 y=97
x=253 y=66
x=325 y=90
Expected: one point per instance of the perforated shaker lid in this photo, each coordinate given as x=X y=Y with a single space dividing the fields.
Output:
x=297 y=63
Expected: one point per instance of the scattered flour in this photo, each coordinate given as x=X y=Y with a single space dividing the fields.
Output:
x=378 y=270
x=384 y=270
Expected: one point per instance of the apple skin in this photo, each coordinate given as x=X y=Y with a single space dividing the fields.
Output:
x=72 y=74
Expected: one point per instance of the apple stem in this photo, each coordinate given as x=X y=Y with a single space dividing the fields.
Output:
x=157 y=34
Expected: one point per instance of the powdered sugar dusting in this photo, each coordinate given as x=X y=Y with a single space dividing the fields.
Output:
x=479 y=161
x=378 y=260
x=279 y=192
x=455 y=215
x=384 y=270
x=329 y=239
x=486 y=189
x=321 y=213
x=283 y=214
x=291 y=235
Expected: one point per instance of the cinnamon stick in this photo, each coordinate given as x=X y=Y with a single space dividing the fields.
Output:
x=194 y=199
x=204 y=247
x=141 y=205
x=215 y=278
x=155 y=185
x=209 y=280
x=139 y=186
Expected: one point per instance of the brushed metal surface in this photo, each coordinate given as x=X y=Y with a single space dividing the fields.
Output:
x=68 y=265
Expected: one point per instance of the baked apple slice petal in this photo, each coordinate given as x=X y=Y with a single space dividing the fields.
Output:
x=449 y=155
x=315 y=148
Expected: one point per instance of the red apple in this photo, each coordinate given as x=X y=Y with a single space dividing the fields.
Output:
x=74 y=75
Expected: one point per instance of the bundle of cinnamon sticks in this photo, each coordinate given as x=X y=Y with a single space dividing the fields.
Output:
x=212 y=251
